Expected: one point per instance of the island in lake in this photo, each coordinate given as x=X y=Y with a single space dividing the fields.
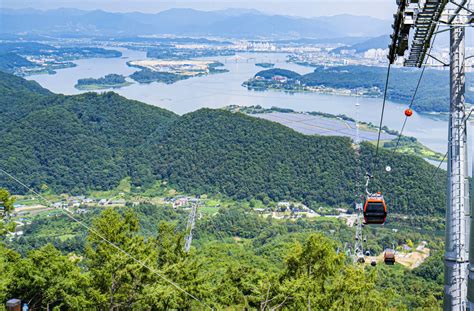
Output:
x=171 y=71
x=367 y=81
x=265 y=65
x=110 y=81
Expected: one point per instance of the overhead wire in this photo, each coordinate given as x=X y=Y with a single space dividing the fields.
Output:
x=409 y=107
x=414 y=94
x=88 y=228
x=383 y=111
x=100 y=236
x=369 y=174
x=439 y=165
x=466 y=119
x=91 y=230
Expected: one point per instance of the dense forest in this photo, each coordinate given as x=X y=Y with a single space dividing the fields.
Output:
x=148 y=76
x=92 y=141
x=238 y=261
x=169 y=51
x=71 y=143
x=433 y=94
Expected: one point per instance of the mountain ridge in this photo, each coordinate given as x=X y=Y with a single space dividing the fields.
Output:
x=232 y=22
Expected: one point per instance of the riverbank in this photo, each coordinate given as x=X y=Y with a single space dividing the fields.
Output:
x=319 y=123
x=95 y=87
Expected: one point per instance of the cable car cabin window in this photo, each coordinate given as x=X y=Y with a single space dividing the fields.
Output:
x=375 y=212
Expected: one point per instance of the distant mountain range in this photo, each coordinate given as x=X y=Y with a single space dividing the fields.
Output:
x=235 y=23
x=380 y=42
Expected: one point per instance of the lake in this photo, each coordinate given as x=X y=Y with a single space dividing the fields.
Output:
x=219 y=90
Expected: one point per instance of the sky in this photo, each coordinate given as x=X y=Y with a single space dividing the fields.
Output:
x=307 y=8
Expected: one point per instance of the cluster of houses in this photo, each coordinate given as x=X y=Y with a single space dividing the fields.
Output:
x=287 y=210
x=295 y=84
x=181 y=201
x=78 y=201
x=278 y=79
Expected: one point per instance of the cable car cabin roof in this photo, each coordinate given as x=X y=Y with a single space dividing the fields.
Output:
x=389 y=257
x=375 y=210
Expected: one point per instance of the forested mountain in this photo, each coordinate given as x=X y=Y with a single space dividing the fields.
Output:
x=216 y=151
x=71 y=143
x=10 y=61
x=91 y=141
x=225 y=23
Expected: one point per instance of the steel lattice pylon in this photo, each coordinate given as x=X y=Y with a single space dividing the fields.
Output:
x=457 y=239
x=358 y=255
x=425 y=17
x=359 y=246
x=190 y=227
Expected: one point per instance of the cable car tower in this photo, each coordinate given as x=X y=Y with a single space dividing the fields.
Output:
x=358 y=255
x=426 y=18
x=190 y=227
x=359 y=246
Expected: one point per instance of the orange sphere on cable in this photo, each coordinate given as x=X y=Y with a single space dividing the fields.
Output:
x=408 y=112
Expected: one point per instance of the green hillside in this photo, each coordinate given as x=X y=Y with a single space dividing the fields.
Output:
x=11 y=61
x=91 y=142
x=71 y=143
x=241 y=156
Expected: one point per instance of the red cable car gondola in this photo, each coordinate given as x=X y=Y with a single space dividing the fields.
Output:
x=408 y=112
x=375 y=209
x=389 y=257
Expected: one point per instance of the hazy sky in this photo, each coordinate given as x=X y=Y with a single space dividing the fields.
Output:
x=308 y=8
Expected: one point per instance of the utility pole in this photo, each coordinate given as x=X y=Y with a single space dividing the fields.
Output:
x=425 y=17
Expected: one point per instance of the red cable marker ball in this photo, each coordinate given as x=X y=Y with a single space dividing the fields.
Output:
x=408 y=112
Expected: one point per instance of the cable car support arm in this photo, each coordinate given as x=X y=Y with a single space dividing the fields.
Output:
x=424 y=17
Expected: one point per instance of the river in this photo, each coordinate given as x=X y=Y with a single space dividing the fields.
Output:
x=219 y=90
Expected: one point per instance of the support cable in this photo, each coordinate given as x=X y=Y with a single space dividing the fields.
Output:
x=381 y=115
x=100 y=236
x=409 y=107
x=466 y=119
x=439 y=165
x=413 y=97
